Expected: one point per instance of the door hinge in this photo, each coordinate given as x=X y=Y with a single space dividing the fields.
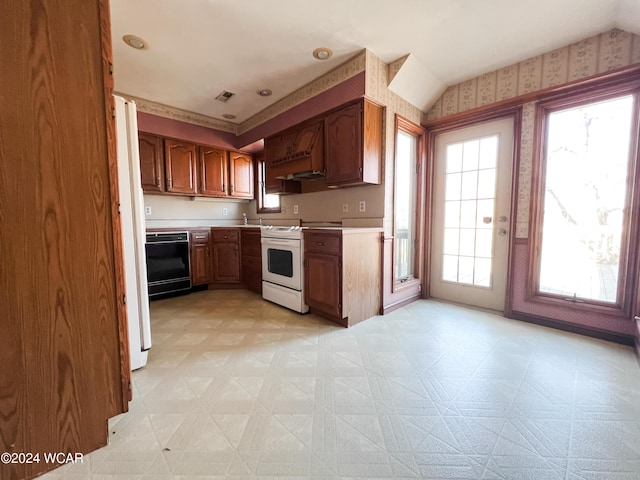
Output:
x=110 y=68
x=113 y=113
x=119 y=209
x=124 y=299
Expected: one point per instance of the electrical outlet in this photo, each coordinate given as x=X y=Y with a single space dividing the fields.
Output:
x=363 y=206
x=147 y=210
x=295 y=209
x=225 y=211
x=345 y=208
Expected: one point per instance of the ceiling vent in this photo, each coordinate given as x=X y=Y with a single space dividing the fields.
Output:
x=224 y=96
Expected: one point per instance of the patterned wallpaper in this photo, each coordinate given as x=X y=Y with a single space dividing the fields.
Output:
x=376 y=81
x=147 y=106
x=592 y=56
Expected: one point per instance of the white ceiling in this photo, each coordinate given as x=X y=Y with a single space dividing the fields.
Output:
x=197 y=48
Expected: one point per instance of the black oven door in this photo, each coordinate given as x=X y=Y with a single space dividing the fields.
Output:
x=167 y=264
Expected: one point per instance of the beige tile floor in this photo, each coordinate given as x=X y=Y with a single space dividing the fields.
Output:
x=240 y=388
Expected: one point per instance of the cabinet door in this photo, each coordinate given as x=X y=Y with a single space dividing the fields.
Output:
x=241 y=168
x=151 y=162
x=322 y=282
x=200 y=264
x=212 y=171
x=251 y=259
x=343 y=145
x=306 y=139
x=180 y=165
x=226 y=263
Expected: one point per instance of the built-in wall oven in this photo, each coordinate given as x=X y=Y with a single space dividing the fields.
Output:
x=167 y=263
x=282 y=257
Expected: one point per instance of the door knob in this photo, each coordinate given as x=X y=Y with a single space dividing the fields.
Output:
x=502 y=232
x=637 y=318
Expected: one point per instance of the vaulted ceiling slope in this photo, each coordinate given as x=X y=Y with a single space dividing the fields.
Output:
x=199 y=48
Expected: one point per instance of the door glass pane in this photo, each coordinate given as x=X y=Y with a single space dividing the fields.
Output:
x=405 y=204
x=469 y=211
x=587 y=163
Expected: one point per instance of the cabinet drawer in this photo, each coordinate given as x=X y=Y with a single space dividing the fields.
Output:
x=224 y=235
x=322 y=243
x=200 y=236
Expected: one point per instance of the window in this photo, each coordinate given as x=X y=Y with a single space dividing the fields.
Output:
x=406 y=226
x=584 y=227
x=266 y=202
x=469 y=203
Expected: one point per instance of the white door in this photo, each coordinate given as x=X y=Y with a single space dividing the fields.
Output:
x=471 y=213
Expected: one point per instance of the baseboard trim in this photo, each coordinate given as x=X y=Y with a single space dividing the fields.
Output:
x=394 y=306
x=620 y=338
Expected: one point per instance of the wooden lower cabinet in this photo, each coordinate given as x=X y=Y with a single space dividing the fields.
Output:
x=251 y=258
x=342 y=273
x=200 y=257
x=225 y=251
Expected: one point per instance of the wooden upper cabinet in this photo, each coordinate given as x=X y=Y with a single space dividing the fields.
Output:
x=285 y=146
x=180 y=166
x=212 y=171
x=151 y=162
x=353 y=144
x=306 y=141
x=241 y=175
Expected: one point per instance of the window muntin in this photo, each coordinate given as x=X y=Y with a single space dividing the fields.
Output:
x=470 y=191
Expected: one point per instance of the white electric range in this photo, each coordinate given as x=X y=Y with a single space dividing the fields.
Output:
x=282 y=266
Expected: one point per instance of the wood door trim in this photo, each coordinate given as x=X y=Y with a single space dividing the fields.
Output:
x=477 y=118
x=118 y=254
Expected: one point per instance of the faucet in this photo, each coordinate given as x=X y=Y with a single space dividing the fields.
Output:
x=244 y=218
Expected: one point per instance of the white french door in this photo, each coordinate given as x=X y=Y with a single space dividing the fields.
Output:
x=471 y=214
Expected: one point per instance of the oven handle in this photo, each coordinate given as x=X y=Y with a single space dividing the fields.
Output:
x=168 y=241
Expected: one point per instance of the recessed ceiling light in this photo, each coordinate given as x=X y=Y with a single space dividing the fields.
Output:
x=135 y=42
x=322 y=53
x=229 y=116
x=264 y=92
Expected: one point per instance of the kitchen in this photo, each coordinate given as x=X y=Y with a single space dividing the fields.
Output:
x=61 y=282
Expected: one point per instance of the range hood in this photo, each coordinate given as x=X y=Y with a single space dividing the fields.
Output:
x=306 y=175
x=298 y=154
